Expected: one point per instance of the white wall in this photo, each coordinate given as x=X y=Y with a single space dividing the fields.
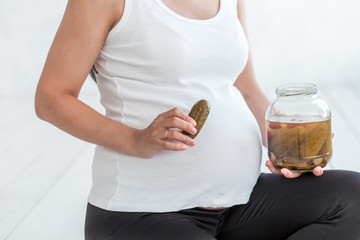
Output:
x=305 y=40
x=292 y=40
x=26 y=32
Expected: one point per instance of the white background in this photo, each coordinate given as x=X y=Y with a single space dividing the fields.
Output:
x=292 y=41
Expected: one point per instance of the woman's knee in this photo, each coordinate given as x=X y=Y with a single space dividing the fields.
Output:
x=346 y=187
x=348 y=181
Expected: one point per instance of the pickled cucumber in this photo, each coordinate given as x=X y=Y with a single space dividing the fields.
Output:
x=314 y=141
x=287 y=143
x=199 y=112
x=326 y=149
x=302 y=151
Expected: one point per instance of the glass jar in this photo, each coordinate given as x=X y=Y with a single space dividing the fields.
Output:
x=298 y=126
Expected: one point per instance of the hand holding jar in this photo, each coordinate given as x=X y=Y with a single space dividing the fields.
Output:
x=299 y=135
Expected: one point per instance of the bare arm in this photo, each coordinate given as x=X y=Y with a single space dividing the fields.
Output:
x=246 y=83
x=257 y=101
x=77 y=44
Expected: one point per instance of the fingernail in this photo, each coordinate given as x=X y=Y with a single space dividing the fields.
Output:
x=192 y=143
x=183 y=147
x=194 y=122
x=193 y=130
x=285 y=173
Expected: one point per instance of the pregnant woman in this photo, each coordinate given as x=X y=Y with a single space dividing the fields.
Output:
x=152 y=60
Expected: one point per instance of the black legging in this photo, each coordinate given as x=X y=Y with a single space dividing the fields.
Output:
x=306 y=208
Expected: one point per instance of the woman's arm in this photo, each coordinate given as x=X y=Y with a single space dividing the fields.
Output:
x=257 y=101
x=246 y=83
x=77 y=44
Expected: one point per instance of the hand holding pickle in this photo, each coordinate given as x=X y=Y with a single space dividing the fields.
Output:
x=172 y=130
x=161 y=134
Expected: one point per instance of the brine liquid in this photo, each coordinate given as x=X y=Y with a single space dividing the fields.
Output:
x=299 y=146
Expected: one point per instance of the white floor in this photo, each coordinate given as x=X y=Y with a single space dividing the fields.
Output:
x=45 y=173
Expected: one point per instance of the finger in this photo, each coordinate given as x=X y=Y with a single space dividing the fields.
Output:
x=178 y=136
x=318 y=171
x=271 y=167
x=284 y=171
x=172 y=146
x=190 y=120
x=175 y=122
x=165 y=135
x=289 y=174
x=177 y=112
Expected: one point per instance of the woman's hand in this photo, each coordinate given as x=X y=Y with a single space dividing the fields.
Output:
x=318 y=171
x=165 y=133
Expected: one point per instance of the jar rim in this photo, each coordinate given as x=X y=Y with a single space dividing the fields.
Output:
x=296 y=89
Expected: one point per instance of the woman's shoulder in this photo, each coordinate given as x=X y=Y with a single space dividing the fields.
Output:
x=117 y=9
x=114 y=8
x=109 y=11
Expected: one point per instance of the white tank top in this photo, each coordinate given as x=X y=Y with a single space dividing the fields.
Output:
x=152 y=61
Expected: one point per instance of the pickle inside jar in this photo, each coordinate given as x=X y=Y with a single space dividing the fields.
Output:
x=299 y=146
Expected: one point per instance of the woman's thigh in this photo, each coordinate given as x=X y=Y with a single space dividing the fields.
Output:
x=106 y=225
x=308 y=207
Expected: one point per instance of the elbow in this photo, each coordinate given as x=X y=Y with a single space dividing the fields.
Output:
x=43 y=104
x=40 y=108
x=50 y=102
